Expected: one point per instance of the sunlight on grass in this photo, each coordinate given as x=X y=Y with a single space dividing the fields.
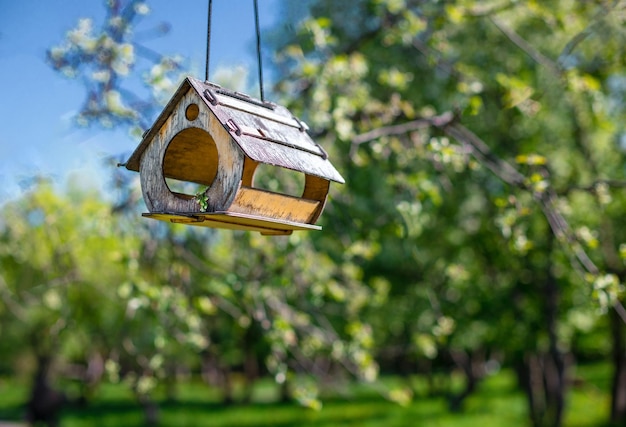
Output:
x=589 y=403
x=496 y=403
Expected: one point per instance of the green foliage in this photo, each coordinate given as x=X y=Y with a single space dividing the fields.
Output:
x=539 y=113
x=482 y=218
x=54 y=261
x=479 y=149
x=202 y=200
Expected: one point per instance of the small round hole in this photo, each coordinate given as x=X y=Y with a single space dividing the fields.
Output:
x=192 y=112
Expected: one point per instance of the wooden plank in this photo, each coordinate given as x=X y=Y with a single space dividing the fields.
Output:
x=249 y=168
x=258 y=221
x=287 y=157
x=316 y=188
x=288 y=137
x=262 y=203
x=232 y=221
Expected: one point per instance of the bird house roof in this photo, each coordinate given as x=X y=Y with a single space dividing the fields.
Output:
x=265 y=132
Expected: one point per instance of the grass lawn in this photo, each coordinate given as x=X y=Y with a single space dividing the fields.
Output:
x=497 y=403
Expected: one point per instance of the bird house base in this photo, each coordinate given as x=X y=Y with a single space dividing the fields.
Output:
x=232 y=221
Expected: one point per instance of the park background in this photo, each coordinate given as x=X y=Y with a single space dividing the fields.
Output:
x=469 y=271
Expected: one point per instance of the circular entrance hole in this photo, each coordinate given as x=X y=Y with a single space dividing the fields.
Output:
x=190 y=162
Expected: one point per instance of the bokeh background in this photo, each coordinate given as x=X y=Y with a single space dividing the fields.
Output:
x=470 y=270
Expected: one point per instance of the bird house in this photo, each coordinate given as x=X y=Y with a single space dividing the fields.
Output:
x=216 y=138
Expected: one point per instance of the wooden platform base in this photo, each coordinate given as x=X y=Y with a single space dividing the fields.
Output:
x=233 y=221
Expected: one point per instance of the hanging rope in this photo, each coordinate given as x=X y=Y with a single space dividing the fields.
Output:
x=258 y=48
x=208 y=41
x=258 y=45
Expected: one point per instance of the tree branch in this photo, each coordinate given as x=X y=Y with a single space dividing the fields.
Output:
x=581 y=36
x=400 y=129
x=483 y=153
x=10 y=303
x=620 y=310
x=590 y=188
x=530 y=50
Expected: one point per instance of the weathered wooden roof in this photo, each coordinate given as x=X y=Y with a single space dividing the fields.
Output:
x=266 y=132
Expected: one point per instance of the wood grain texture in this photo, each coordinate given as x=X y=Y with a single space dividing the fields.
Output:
x=190 y=139
x=191 y=156
x=249 y=169
x=263 y=203
x=268 y=135
x=233 y=221
x=316 y=188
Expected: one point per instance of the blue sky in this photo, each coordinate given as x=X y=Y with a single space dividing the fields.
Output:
x=37 y=134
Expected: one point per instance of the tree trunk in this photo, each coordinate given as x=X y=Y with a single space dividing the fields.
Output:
x=285 y=393
x=527 y=377
x=228 y=397
x=473 y=366
x=542 y=374
x=554 y=367
x=150 y=410
x=542 y=379
x=45 y=403
x=171 y=382
x=251 y=371
x=217 y=374
x=618 y=387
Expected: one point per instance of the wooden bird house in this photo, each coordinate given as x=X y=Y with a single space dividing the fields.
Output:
x=216 y=138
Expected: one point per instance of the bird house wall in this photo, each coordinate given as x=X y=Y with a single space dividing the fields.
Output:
x=191 y=145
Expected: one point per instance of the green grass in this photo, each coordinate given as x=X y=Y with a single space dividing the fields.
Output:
x=497 y=403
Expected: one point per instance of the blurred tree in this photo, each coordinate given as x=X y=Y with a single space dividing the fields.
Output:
x=126 y=83
x=390 y=81
x=56 y=299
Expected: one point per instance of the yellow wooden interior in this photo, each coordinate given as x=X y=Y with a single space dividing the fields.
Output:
x=191 y=156
x=253 y=201
x=305 y=209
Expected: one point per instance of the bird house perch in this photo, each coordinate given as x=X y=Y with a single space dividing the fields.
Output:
x=216 y=138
